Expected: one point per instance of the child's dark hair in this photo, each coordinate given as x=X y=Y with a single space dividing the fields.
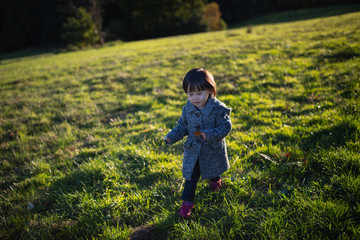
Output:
x=199 y=79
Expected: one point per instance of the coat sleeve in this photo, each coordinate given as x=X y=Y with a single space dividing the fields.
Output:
x=179 y=131
x=223 y=126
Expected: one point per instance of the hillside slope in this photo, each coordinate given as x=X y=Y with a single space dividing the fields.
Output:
x=82 y=153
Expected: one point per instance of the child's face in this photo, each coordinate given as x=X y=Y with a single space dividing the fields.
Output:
x=198 y=98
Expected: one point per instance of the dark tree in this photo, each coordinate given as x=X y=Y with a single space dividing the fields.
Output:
x=94 y=7
x=80 y=30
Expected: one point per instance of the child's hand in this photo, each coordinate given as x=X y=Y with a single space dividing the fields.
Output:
x=167 y=140
x=203 y=135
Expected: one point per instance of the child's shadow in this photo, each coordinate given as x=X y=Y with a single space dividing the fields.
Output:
x=161 y=229
x=157 y=231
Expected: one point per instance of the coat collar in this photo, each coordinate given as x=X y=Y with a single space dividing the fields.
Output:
x=207 y=108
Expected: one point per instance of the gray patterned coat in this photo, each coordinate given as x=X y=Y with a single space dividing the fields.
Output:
x=214 y=120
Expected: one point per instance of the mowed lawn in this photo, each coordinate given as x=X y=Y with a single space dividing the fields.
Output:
x=82 y=155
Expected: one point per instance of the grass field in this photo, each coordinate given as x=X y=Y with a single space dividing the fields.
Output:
x=82 y=155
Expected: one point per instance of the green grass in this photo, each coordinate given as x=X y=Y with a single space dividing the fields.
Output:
x=82 y=154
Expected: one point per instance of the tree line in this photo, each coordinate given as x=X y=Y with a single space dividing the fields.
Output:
x=37 y=23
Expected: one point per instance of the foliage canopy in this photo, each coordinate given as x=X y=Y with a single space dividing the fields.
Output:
x=80 y=30
x=36 y=23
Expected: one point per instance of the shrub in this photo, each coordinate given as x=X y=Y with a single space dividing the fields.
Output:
x=212 y=17
x=80 y=31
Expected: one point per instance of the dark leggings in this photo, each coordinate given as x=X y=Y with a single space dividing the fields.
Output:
x=188 y=193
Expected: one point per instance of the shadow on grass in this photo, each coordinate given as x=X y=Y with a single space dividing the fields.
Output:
x=146 y=233
x=30 y=52
x=297 y=15
x=209 y=209
x=89 y=180
x=334 y=136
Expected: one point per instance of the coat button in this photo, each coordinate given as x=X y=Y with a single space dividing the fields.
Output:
x=198 y=141
x=197 y=114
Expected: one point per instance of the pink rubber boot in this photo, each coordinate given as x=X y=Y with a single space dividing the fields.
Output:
x=186 y=208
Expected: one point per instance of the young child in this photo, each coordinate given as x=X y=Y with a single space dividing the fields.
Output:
x=206 y=122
